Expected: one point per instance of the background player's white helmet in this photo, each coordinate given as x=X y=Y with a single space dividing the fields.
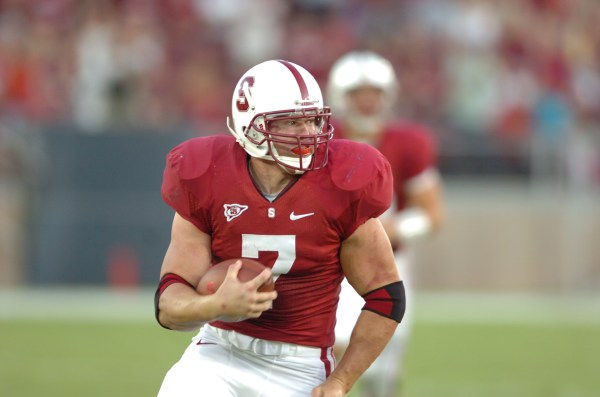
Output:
x=358 y=69
x=280 y=90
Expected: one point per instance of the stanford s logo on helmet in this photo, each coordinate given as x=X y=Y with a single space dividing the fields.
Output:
x=242 y=101
x=279 y=90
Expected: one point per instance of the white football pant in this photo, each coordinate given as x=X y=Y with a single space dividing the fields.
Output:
x=221 y=363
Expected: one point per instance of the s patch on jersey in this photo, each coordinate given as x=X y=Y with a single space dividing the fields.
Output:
x=234 y=210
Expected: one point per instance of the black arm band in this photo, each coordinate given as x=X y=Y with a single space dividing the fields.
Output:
x=388 y=301
x=165 y=281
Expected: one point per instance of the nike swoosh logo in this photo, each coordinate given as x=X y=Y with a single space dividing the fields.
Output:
x=295 y=217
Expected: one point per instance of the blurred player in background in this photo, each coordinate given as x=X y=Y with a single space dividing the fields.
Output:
x=282 y=191
x=362 y=91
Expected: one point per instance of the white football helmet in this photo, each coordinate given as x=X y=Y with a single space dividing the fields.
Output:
x=358 y=69
x=280 y=90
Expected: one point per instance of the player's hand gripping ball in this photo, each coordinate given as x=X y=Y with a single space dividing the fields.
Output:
x=213 y=278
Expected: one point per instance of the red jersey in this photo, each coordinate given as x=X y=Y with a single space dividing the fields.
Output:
x=298 y=235
x=411 y=150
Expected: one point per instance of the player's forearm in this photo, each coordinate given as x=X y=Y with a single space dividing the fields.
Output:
x=182 y=309
x=370 y=335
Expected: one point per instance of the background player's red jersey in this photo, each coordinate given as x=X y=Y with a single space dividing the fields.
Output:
x=411 y=150
x=298 y=235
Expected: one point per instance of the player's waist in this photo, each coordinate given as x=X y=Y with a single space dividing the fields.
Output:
x=262 y=346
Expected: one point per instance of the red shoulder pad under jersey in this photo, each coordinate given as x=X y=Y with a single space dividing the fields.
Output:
x=186 y=164
x=361 y=170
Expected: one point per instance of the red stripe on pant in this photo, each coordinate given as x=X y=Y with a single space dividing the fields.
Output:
x=326 y=361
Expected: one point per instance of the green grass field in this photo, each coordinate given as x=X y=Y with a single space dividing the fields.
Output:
x=504 y=360
x=92 y=347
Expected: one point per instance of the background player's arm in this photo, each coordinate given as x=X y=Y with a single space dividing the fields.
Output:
x=430 y=201
x=368 y=262
x=423 y=215
x=189 y=256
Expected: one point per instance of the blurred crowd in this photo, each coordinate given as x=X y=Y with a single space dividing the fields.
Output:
x=523 y=73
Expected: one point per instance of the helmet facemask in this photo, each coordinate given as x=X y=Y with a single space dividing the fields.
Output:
x=294 y=152
x=366 y=112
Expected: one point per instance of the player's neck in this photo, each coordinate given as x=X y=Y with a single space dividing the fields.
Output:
x=269 y=177
x=371 y=135
x=372 y=138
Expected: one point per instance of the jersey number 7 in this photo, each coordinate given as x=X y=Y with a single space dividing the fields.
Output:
x=284 y=245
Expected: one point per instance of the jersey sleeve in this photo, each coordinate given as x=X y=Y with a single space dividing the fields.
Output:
x=422 y=154
x=181 y=179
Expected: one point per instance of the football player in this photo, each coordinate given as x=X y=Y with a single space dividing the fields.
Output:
x=282 y=191
x=362 y=90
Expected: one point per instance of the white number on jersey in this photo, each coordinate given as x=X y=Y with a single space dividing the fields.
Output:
x=284 y=245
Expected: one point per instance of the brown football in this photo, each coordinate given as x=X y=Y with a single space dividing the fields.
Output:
x=211 y=281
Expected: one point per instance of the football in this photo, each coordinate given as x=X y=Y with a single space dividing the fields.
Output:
x=211 y=281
